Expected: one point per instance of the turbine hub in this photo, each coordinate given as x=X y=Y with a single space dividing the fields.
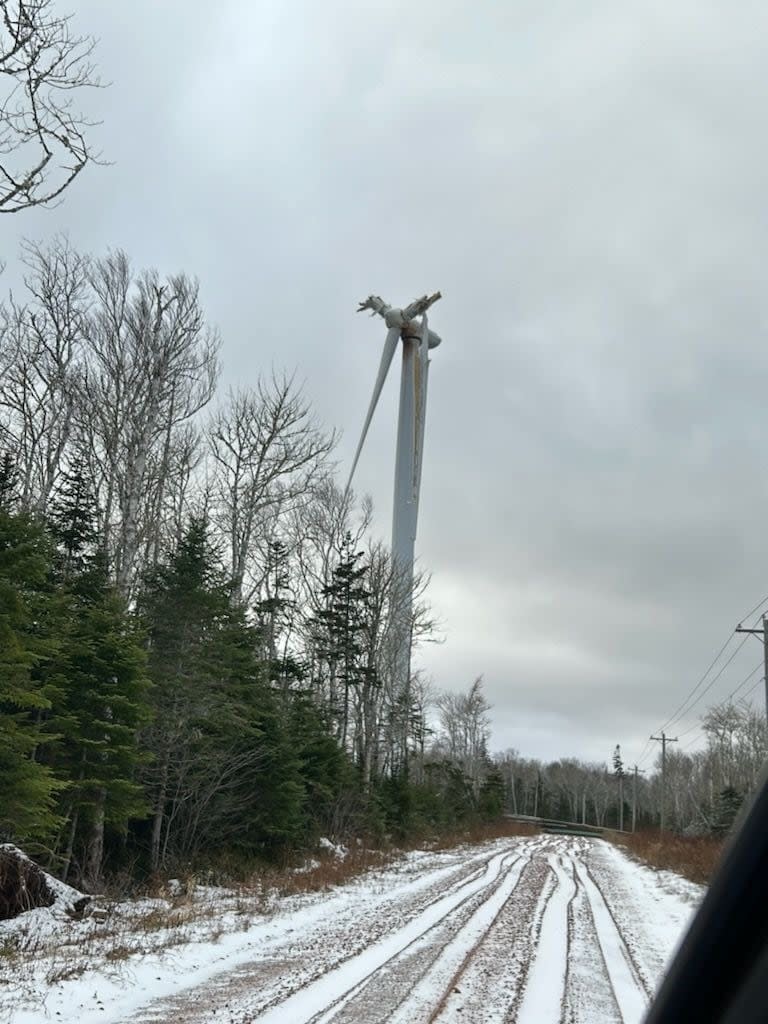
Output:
x=404 y=318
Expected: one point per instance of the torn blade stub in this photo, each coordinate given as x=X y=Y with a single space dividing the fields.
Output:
x=404 y=319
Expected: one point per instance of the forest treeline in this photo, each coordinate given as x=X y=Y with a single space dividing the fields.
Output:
x=702 y=790
x=197 y=630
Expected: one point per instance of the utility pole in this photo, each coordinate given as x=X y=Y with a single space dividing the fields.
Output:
x=663 y=740
x=635 y=771
x=763 y=632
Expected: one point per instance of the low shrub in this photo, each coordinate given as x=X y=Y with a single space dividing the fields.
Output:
x=694 y=857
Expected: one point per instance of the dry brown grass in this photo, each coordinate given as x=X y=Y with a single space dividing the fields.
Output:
x=324 y=869
x=694 y=857
x=480 y=833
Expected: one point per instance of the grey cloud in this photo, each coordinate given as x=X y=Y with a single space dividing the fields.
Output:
x=585 y=183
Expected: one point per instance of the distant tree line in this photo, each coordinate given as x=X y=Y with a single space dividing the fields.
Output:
x=704 y=789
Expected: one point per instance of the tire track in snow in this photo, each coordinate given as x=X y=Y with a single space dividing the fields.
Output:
x=589 y=991
x=493 y=974
x=629 y=988
x=281 y=969
x=543 y=997
x=416 y=985
x=526 y=935
x=634 y=897
x=324 y=998
x=388 y=989
x=449 y=967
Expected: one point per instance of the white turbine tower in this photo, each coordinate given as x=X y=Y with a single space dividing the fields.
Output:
x=417 y=340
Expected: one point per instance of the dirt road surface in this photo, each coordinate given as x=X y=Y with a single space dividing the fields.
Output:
x=547 y=930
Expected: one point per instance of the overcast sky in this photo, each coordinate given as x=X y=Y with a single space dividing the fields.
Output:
x=588 y=186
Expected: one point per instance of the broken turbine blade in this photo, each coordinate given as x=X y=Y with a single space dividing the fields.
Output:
x=393 y=336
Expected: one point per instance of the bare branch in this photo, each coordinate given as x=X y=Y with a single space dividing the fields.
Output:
x=43 y=138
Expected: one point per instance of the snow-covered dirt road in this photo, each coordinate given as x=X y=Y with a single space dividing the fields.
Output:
x=536 y=931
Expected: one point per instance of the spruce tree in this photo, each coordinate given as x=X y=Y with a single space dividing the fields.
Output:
x=273 y=618
x=26 y=614
x=340 y=633
x=72 y=516
x=224 y=767
x=727 y=810
x=619 y=774
x=492 y=791
x=8 y=481
x=98 y=689
x=330 y=783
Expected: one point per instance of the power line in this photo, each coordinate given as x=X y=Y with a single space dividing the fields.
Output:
x=691 y=728
x=731 y=695
x=701 y=680
x=694 y=740
x=763 y=634
x=752 y=689
x=644 y=752
x=756 y=608
x=744 y=682
x=712 y=664
x=686 y=705
x=663 y=740
x=749 y=693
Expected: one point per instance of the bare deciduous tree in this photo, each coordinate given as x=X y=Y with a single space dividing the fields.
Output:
x=42 y=360
x=43 y=137
x=153 y=366
x=268 y=454
x=465 y=722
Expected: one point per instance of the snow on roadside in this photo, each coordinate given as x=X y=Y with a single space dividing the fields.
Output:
x=55 y=968
x=336 y=849
x=146 y=956
x=652 y=907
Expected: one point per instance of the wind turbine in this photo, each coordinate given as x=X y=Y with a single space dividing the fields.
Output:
x=417 y=339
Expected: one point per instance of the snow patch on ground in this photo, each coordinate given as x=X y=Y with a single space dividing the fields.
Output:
x=427 y=924
x=335 y=848
x=146 y=949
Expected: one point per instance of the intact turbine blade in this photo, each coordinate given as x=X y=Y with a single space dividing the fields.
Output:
x=393 y=336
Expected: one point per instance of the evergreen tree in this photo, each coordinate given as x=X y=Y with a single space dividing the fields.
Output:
x=28 y=787
x=224 y=768
x=8 y=481
x=332 y=802
x=727 y=810
x=274 y=613
x=97 y=687
x=340 y=631
x=72 y=519
x=619 y=775
x=491 y=799
x=451 y=798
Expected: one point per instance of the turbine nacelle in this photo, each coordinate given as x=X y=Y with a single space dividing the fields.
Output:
x=404 y=318
x=403 y=326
